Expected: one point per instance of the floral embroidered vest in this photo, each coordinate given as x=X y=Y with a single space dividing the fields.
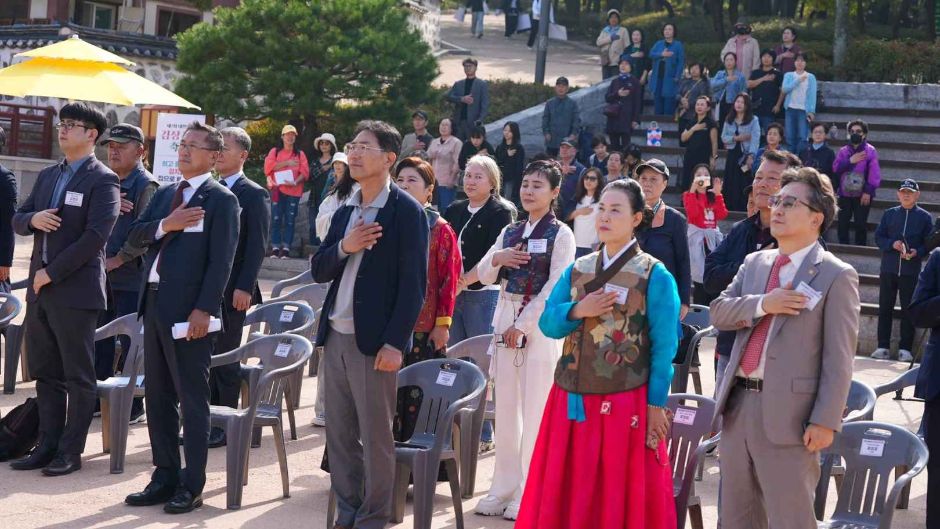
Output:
x=610 y=353
x=530 y=278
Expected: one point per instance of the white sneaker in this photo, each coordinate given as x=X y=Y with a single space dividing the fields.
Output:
x=492 y=506
x=319 y=420
x=512 y=511
x=880 y=354
x=905 y=356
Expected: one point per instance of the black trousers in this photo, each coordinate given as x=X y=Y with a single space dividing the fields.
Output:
x=852 y=214
x=619 y=141
x=61 y=345
x=891 y=284
x=225 y=381
x=932 y=436
x=533 y=33
x=512 y=22
x=177 y=374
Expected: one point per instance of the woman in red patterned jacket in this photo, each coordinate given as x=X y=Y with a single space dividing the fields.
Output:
x=432 y=330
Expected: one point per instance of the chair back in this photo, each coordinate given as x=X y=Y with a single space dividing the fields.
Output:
x=127 y=325
x=19 y=285
x=303 y=278
x=10 y=307
x=871 y=451
x=860 y=405
x=280 y=317
x=908 y=378
x=691 y=425
x=313 y=294
x=474 y=350
x=447 y=385
x=698 y=316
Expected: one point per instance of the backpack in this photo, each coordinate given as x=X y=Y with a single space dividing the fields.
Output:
x=19 y=430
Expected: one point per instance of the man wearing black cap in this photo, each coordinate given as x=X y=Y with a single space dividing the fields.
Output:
x=900 y=236
x=571 y=171
x=7 y=208
x=561 y=118
x=471 y=99
x=124 y=261
x=419 y=140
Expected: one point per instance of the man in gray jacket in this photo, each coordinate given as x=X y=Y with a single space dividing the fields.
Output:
x=471 y=99
x=561 y=119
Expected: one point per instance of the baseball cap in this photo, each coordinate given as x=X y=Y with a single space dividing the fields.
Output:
x=420 y=114
x=655 y=164
x=570 y=142
x=123 y=133
x=562 y=80
x=288 y=128
x=909 y=184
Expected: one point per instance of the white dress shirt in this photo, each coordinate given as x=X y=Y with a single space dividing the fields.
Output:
x=787 y=273
x=194 y=184
x=230 y=180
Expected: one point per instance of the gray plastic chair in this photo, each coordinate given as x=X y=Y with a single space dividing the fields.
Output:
x=303 y=278
x=470 y=419
x=313 y=294
x=906 y=379
x=117 y=393
x=13 y=338
x=280 y=356
x=448 y=385
x=277 y=317
x=864 y=500
x=698 y=316
x=859 y=406
x=688 y=443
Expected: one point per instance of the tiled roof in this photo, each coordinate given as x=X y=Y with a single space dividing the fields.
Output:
x=22 y=36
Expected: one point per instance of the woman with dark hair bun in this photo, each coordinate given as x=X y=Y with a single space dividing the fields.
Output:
x=600 y=459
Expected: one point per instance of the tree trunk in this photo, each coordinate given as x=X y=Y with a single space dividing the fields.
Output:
x=733 y=11
x=860 y=16
x=904 y=10
x=840 y=42
x=667 y=5
x=931 y=18
x=714 y=6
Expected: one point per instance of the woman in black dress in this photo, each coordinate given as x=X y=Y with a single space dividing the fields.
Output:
x=510 y=157
x=741 y=137
x=699 y=136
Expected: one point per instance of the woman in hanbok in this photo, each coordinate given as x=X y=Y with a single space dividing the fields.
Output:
x=601 y=460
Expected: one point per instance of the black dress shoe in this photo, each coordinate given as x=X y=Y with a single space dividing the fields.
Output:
x=63 y=464
x=182 y=502
x=39 y=458
x=154 y=494
x=216 y=438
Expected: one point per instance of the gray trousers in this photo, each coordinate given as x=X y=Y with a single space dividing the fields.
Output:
x=360 y=406
x=762 y=482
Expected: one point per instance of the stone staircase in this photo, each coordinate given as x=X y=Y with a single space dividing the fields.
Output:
x=908 y=143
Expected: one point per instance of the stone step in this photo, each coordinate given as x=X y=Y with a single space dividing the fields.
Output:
x=277 y=269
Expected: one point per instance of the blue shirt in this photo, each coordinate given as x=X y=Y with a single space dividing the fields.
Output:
x=66 y=172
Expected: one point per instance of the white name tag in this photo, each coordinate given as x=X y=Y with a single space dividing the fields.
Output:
x=286 y=316
x=197 y=228
x=872 y=448
x=619 y=290
x=685 y=416
x=283 y=349
x=73 y=199
x=537 y=245
x=446 y=378
x=812 y=295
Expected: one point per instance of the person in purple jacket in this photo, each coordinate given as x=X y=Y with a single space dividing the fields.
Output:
x=859 y=175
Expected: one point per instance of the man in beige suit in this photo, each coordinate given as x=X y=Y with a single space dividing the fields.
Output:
x=796 y=311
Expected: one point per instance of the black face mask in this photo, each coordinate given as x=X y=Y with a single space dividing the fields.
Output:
x=855 y=138
x=741 y=31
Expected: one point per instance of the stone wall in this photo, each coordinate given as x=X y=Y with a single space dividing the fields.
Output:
x=425 y=16
x=881 y=95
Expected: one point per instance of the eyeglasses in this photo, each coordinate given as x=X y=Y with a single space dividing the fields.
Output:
x=69 y=125
x=787 y=202
x=351 y=148
x=590 y=178
x=190 y=146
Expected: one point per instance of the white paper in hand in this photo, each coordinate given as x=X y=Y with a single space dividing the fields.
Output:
x=812 y=295
x=284 y=176
x=180 y=329
x=619 y=290
x=196 y=228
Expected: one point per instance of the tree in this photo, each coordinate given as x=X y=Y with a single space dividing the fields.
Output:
x=309 y=62
x=840 y=42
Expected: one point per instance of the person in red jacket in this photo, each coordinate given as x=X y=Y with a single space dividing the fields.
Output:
x=704 y=208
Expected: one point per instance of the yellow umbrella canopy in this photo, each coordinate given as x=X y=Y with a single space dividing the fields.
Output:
x=75 y=49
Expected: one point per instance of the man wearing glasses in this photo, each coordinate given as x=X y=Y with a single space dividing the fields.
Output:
x=70 y=213
x=795 y=311
x=191 y=231
x=376 y=256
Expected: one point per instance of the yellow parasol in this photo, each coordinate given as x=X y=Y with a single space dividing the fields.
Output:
x=74 y=69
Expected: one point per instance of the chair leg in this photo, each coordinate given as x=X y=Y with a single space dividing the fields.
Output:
x=290 y=413
x=451 y=466
x=695 y=516
x=105 y=425
x=700 y=470
x=282 y=458
x=424 y=485
x=331 y=510
x=906 y=491
x=696 y=380
x=118 y=428
x=10 y=364
x=236 y=465
x=400 y=491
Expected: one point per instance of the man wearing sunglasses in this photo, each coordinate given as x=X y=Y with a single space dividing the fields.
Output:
x=795 y=310
x=70 y=213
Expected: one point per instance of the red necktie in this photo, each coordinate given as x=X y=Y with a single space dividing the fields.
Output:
x=755 y=344
x=177 y=201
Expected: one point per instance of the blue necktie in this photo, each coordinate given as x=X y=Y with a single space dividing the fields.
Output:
x=65 y=174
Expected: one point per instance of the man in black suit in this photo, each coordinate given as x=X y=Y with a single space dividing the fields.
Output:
x=7 y=209
x=376 y=256
x=125 y=262
x=191 y=229
x=242 y=290
x=70 y=211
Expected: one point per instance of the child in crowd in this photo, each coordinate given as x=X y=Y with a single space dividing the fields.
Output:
x=476 y=145
x=600 y=156
x=900 y=236
x=590 y=185
x=704 y=207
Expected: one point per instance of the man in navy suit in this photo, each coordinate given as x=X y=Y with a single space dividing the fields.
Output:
x=191 y=229
x=242 y=290
x=70 y=212
x=7 y=209
x=924 y=311
x=376 y=256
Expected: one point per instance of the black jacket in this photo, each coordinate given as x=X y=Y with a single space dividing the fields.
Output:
x=820 y=159
x=924 y=311
x=511 y=166
x=7 y=209
x=911 y=226
x=477 y=237
x=254 y=229
x=469 y=151
x=138 y=187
